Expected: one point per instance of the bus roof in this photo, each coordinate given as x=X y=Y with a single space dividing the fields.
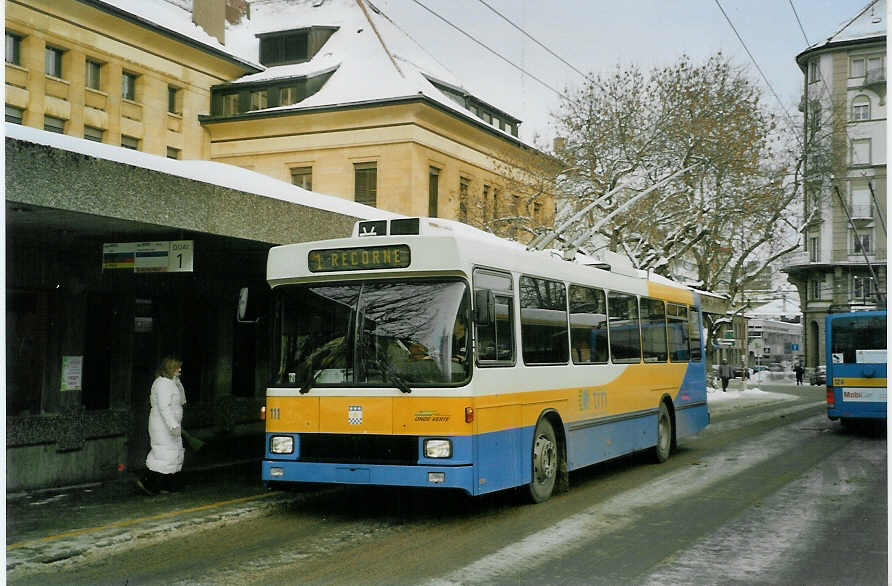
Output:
x=440 y=246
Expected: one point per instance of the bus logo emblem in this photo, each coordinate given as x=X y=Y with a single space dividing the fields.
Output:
x=354 y=414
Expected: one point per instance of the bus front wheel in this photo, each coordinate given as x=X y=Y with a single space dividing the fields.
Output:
x=545 y=461
x=664 y=434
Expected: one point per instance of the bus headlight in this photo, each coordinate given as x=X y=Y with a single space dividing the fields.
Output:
x=437 y=448
x=281 y=444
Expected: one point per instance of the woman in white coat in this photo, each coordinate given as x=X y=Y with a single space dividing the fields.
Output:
x=165 y=458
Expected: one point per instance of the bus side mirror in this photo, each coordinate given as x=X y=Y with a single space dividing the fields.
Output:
x=249 y=306
x=484 y=307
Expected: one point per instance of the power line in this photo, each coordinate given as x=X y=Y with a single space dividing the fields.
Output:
x=530 y=37
x=796 y=14
x=759 y=69
x=493 y=51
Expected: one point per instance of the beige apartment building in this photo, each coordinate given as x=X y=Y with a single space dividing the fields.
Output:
x=325 y=96
x=842 y=264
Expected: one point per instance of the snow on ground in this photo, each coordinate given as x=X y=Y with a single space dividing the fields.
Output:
x=739 y=396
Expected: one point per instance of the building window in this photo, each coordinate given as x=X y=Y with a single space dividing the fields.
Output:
x=366 y=183
x=814 y=123
x=302 y=177
x=861 y=151
x=94 y=134
x=173 y=153
x=174 y=100
x=464 y=188
x=487 y=203
x=858 y=67
x=229 y=104
x=863 y=287
x=13 y=49
x=128 y=86
x=288 y=95
x=861 y=243
x=815 y=290
x=861 y=201
x=433 y=192
x=92 y=74
x=259 y=99
x=53 y=62
x=284 y=48
x=14 y=114
x=814 y=71
x=861 y=108
x=53 y=124
x=129 y=142
x=814 y=249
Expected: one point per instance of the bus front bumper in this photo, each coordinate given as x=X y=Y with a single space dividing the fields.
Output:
x=460 y=477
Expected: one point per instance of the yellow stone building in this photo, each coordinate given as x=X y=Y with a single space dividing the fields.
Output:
x=329 y=95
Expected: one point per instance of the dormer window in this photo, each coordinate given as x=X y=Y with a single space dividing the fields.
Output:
x=294 y=46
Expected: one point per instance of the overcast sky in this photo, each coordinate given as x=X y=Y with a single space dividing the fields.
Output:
x=596 y=35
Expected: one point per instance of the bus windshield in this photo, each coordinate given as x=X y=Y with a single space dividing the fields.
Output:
x=858 y=339
x=372 y=333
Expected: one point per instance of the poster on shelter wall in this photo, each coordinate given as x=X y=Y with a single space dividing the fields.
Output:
x=72 y=372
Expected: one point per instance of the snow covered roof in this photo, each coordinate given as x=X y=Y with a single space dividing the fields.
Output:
x=784 y=307
x=373 y=58
x=171 y=19
x=210 y=172
x=868 y=24
x=370 y=57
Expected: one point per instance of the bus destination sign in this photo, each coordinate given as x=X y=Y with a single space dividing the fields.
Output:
x=359 y=259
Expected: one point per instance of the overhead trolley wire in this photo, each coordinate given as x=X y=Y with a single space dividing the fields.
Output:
x=530 y=37
x=762 y=73
x=493 y=51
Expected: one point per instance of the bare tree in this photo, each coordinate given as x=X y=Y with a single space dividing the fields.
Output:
x=719 y=224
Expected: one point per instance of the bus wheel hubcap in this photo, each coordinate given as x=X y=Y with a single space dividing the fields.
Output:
x=544 y=459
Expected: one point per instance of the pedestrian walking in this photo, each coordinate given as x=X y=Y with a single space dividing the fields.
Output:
x=725 y=374
x=799 y=372
x=165 y=457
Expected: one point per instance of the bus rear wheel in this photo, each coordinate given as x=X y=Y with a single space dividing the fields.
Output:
x=664 y=434
x=545 y=461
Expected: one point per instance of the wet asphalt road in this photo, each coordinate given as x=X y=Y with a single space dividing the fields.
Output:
x=767 y=495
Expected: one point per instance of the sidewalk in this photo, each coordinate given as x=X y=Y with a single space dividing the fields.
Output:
x=219 y=483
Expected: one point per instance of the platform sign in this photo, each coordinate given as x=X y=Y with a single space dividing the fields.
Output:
x=169 y=256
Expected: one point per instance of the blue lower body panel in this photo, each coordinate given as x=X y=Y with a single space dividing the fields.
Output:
x=690 y=420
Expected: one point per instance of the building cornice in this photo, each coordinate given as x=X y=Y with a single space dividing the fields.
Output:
x=403 y=100
x=801 y=58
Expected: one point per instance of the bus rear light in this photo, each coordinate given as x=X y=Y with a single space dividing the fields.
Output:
x=263 y=413
x=469 y=414
x=830 y=400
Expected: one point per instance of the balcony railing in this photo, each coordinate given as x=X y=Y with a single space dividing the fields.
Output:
x=875 y=75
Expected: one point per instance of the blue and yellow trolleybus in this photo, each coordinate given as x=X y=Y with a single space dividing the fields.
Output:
x=426 y=353
x=856 y=365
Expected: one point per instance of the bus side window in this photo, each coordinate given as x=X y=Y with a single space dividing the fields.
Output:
x=653 y=329
x=625 y=333
x=695 y=332
x=588 y=325
x=495 y=341
x=679 y=343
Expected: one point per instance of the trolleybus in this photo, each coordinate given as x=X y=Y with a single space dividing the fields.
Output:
x=426 y=353
x=856 y=365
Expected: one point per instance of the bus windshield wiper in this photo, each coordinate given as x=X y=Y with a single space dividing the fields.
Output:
x=311 y=380
x=392 y=377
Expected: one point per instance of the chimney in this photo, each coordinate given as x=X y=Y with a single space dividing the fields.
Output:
x=211 y=16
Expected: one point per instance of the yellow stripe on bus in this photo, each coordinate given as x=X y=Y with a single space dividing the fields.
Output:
x=859 y=382
x=637 y=388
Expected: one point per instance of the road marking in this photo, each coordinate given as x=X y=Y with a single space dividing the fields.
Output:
x=139 y=520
